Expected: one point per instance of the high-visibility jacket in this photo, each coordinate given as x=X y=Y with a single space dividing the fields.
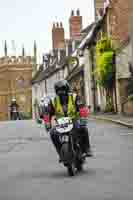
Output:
x=71 y=107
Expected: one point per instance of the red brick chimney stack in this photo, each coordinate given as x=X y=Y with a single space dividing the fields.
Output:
x=99 y=7
x=58 y=36
x=75 y=24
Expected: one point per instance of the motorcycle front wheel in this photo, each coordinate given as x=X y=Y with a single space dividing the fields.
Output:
x=67 y=158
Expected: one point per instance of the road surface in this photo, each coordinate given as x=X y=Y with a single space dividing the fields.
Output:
x=29 y=168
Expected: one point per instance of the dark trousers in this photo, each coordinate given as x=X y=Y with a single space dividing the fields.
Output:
x=14 y=115
x=81 y=132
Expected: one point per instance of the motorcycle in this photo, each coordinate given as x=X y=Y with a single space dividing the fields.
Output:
x=70 y=153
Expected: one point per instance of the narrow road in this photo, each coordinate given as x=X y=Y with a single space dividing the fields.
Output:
x=29 y=168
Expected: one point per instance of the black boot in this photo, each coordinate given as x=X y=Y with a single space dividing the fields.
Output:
x=86 y=147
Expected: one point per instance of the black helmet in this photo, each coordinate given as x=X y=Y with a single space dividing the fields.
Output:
x=62 y=87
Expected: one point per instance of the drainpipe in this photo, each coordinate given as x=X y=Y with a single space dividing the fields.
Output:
x=45 y=86
x=93 y=79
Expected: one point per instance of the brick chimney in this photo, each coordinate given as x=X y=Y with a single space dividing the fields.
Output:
x=99 y=4
x=99 y=7
x=75 y=24
x=58 y=36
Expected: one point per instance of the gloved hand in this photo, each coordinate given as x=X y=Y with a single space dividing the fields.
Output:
x=39 y=121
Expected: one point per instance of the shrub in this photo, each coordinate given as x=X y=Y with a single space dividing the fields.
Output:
x=104 y=71
x=104 y=65
x=26 y=116
x=130 y=98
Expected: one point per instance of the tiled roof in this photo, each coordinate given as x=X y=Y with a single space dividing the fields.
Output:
x=49 y=71
x=43 y=74
x=74 y=72
x=88 y=28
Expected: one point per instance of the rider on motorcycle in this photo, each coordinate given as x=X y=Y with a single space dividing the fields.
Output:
x=44 y=110
x=41 y=107
x=44 y=106
x=67 y=104
x=14 y=108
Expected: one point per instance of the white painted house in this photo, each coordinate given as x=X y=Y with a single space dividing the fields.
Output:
x=44 y=80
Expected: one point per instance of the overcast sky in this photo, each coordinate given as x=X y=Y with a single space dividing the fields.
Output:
x=27 y=20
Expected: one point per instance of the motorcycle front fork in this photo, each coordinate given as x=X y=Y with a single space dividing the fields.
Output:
x=72 y=145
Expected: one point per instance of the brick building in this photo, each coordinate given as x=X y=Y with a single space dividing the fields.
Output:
x=99 y=5
x=15 y=81
x=130 y=22
x=118 y=20
x=116 y=25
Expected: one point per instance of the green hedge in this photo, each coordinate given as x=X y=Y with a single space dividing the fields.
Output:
x=26 y=116
x=104 y=66
x=130 y=98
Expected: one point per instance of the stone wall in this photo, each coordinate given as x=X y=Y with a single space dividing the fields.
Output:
x=15 y=81
x=123 y=76
x=122 y=60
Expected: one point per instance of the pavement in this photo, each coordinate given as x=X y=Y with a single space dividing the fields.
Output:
x=115 y=118
x=29 y=168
